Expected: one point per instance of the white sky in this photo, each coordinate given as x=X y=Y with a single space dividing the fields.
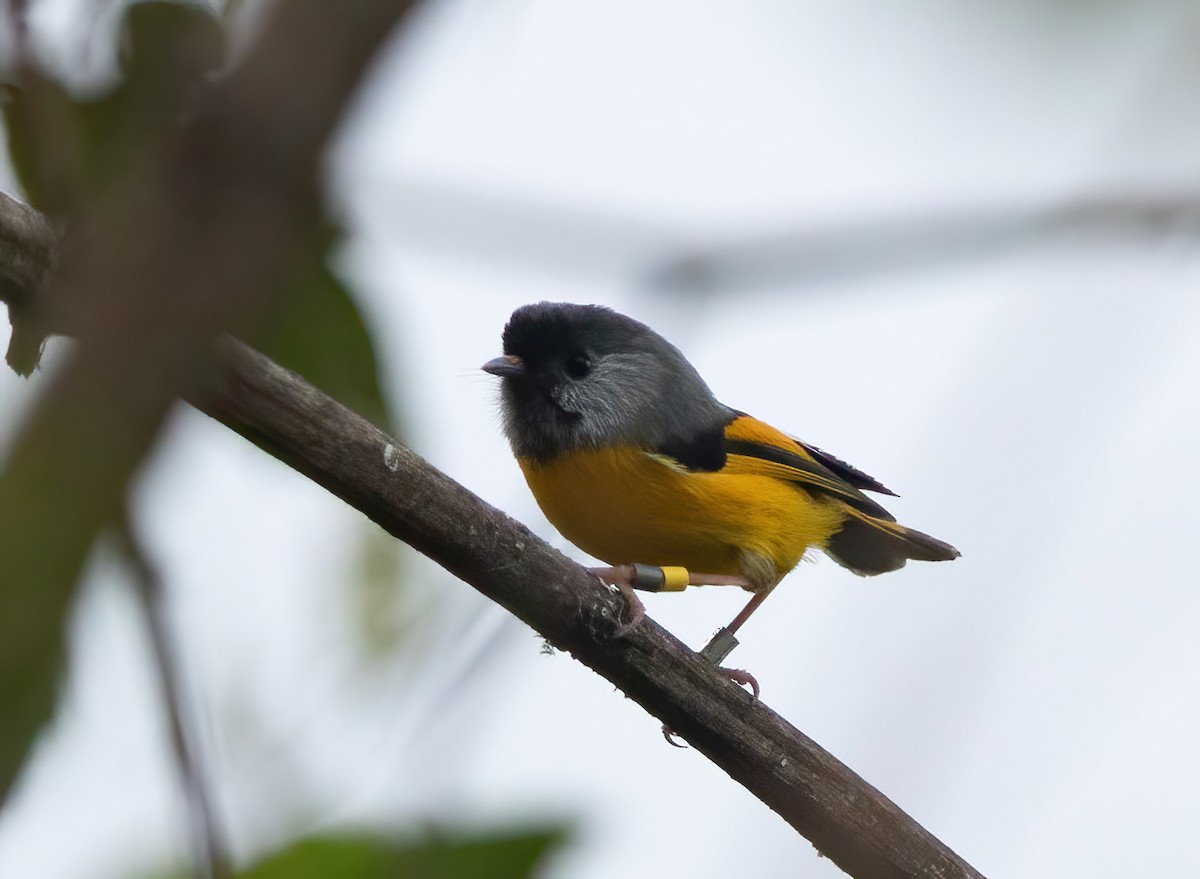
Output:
x=1031 y=704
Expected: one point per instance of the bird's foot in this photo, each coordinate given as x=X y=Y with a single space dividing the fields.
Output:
x=718 y=648
x=626 y=578
x=621 y=578
x=652 y=578
x=741 y=677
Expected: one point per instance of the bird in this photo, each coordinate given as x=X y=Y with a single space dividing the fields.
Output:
x=634 y=460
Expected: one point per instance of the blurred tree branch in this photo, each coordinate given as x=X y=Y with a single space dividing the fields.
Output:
x=844 y=817
x=934 y=240
x=186 y=238
x=558 y=237
x=208 y=858
x=213 y=216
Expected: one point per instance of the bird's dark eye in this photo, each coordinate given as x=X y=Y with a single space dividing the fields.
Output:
x=578 y=366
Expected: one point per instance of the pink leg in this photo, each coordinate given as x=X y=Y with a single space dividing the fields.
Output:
x=751 y=606
x=739 y=675
x=718 y=580
x=623 y=577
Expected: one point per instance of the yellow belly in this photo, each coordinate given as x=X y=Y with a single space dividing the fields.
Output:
x=623 y=505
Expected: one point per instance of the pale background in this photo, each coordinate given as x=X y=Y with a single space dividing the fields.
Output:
x=1035 y=398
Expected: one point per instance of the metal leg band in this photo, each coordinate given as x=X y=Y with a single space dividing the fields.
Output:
x=719 y=647
x=648 y=578
x=651 y=578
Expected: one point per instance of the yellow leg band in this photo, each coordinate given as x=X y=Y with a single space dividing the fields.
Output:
x=676 y=579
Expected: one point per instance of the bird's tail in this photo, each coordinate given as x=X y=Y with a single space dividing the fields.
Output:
x=869 y=545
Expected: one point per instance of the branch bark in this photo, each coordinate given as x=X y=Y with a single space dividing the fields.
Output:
x=844 y=817
x=28 y=246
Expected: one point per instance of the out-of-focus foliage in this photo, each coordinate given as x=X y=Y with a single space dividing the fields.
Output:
x=320 y=334
x=386 y=616
x=69 y=152
x=514 y=855
x=65 y=152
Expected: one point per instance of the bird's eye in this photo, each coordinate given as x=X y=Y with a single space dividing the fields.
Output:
x=579 y=366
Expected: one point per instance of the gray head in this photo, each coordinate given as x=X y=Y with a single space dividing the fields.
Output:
x=584 y=376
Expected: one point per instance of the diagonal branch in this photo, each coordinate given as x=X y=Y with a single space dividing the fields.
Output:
x=847 y=819
x=844 y=817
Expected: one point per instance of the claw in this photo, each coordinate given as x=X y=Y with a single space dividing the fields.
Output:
x=634 y=610
x=622 y=578
x=739 y=676
x=669 y=735
x=742 y=677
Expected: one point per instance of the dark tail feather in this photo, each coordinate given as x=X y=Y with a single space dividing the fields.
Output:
x=868 y=546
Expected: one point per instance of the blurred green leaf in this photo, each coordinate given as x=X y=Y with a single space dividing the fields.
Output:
x=68 y=151
x=32 y=623
x=65 y=150
x=44 y=128
x=385 y=608
x=50 y=170
x=317 y=331
x=177 y=44
x=168 y=53
x=514 y=855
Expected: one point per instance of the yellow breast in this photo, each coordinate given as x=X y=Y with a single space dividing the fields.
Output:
x=624 y=505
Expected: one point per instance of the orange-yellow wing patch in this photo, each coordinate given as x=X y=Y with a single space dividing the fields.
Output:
x=753 y=446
